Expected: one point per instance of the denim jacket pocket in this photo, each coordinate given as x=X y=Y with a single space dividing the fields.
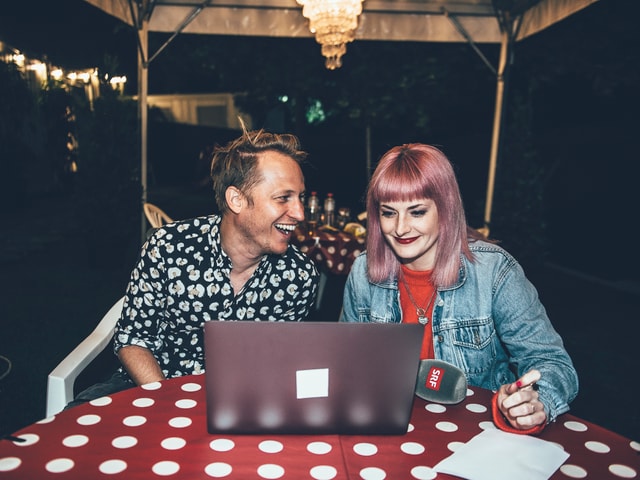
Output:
x=473 y=343
x=475 y=334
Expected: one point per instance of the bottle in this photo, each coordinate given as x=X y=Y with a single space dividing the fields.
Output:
x=313 y=213
x=330 y=210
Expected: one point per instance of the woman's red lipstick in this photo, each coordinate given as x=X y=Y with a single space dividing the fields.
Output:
x=405 y=241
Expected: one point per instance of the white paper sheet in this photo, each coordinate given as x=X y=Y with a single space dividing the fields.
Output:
x=498 y=455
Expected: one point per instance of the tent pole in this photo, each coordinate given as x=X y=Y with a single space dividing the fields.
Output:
x=368 y=151
x=505 y=44
x=143 y=77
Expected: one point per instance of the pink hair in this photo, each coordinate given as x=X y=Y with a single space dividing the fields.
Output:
x=410 y=172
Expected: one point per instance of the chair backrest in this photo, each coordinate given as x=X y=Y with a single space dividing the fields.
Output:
x=156 y=216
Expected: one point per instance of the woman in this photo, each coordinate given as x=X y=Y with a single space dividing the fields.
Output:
x=424 y=264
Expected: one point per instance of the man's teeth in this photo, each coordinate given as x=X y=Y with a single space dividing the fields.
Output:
x=285 y=227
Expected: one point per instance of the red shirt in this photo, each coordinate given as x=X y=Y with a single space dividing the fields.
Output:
x=424 y=295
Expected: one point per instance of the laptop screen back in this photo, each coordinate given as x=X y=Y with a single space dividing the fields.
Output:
x=310 y=377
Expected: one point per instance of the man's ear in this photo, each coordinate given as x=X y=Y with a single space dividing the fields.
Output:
x=235 y=199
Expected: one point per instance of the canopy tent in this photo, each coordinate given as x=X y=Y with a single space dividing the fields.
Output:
x=472 y=21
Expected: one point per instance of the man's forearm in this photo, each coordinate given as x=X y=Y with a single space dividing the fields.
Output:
x=141 y=365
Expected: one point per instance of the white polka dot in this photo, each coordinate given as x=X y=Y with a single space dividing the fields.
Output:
x=575 y=426
x=173 y=443
x=446 y=426
x=125 y=441
x=59 y=465
x=270 y=470
x=635 y=446
x=331 y=249
x=365 y=449
x=191 y=387
x=573 y=471
x=476 y=408
x=597 y=447
x=113 y=466
x=270 y=446
x=435 y=408
x=487 y=425
x=75 y=440
x=622 y=471
x=470 y=393
x=423 y=473
x=372 y=473
x=453 y=446
x=101 y=402
x=186 y=403
x=222 y=445
x=412 y=448
x=89 y=419
x=165 y=468
x=410 y=428
x=323 y=472
x=143 y=402
x=180 y=422
x=9 y=463
x=46 y=420
x=319 y=448
x=29 y=439
x=134 y=421
x=151 y=386
x=218 y=469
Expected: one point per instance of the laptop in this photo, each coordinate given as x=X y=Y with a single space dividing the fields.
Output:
x=310 y=377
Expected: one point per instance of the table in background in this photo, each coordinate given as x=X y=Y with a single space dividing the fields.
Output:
x=159 y=430
x=331 y=251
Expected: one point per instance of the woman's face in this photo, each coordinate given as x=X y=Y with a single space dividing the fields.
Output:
x=411 y=230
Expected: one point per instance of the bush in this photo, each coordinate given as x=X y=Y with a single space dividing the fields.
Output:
x=108 y=190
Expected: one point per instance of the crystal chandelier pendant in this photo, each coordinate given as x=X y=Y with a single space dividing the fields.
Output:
x=334 y=24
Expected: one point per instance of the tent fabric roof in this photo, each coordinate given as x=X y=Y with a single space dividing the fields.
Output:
x=473 y=21
x=389 y=20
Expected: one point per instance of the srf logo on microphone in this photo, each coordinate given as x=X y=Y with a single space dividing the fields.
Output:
x=434 y=378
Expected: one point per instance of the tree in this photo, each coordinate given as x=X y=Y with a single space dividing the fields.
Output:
x=20 y=139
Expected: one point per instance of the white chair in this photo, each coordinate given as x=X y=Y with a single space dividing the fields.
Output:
x=61 y=380
x=155 y=215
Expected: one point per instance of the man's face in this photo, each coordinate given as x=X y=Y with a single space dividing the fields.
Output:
x=277 y=207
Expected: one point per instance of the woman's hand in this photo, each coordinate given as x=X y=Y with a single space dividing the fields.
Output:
x=519 y=403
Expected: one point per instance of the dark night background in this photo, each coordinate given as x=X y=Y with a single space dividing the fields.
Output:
x=569 y=149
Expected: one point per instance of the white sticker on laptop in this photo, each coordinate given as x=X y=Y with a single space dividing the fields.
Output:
x=312 y=383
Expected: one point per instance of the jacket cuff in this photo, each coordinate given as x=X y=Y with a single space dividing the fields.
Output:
x=502 y=423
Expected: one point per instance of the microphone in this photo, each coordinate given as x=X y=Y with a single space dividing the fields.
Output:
x=440 y=382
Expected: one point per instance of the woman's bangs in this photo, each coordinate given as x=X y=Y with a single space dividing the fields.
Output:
x=402 y=185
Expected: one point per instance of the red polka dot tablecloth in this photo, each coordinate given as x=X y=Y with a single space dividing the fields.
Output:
x=159 y=431
x=333 y=251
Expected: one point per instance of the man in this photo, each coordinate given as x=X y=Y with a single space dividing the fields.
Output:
x=238 y=265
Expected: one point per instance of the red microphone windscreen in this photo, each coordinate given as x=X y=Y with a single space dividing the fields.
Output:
x=440 y=382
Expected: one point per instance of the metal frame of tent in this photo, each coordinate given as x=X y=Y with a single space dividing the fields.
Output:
x=472 y=21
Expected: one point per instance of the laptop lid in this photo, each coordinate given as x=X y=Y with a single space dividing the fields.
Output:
x=310 y=377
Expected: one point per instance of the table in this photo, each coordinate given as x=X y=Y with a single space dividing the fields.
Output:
x=159 y=431
x=333 y=251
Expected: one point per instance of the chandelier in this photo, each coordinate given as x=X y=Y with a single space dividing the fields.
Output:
x=334 y=23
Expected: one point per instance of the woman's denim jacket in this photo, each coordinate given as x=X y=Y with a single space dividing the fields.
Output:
x=490 y=323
